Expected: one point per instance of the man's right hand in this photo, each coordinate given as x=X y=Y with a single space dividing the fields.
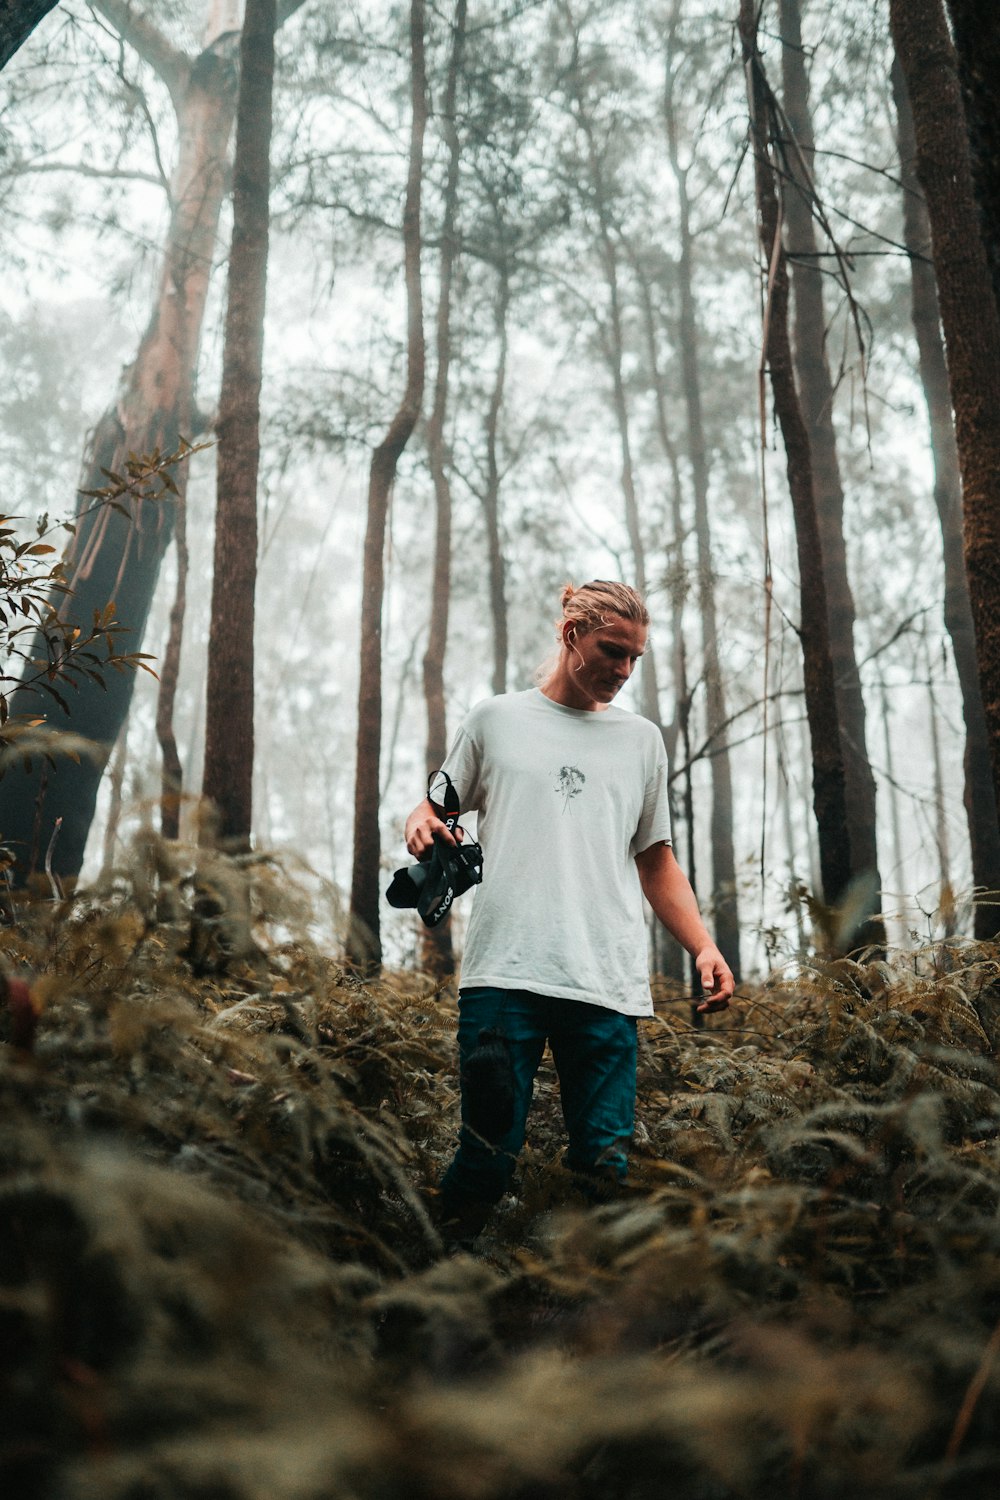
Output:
x=423 y=826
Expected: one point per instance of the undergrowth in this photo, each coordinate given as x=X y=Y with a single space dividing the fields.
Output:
x=219 y=1273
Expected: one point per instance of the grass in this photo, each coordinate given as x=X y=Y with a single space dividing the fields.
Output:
x=219 y=1274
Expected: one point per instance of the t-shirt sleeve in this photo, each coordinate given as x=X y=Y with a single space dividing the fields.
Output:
x=462 y=764
x=654 y=821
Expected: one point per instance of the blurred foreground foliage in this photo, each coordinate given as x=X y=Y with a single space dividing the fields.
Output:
x=219 y=1277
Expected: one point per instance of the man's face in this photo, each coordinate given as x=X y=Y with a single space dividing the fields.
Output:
x=603 y=660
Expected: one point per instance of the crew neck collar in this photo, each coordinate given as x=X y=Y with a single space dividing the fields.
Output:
x=597 y=714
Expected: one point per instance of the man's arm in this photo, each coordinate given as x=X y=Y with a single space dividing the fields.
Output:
x=423 y=826
x=669 y=893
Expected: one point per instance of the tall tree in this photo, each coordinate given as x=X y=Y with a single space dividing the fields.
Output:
x=364 y=938
x=229 y=724
x=725 y=905
x=115 y=556
x=975 y=26
x=969 y=315
x=816 y=393
x=438 y=950
x=598 y=187
x=829 y=798
x=980 y=801
x=496 y=561
x=434 y=656
x=18 y=19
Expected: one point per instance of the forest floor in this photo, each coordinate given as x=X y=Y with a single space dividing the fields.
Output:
x=219 y=1274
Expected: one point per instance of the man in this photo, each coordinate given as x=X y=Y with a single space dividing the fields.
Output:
x=574 y=822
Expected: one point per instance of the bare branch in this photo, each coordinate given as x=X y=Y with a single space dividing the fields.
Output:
x=118 y=174
x=172 y=66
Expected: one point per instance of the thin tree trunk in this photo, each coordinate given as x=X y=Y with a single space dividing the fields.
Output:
x=172 y=780
x=946 y=899
x=116 y=778
x=229 y=700
x=613 y=342
x=724 y=894
x=670 y=950
x=18 y=19
x=829 y=800
x=364 y=942
x=975 y=26
x=491 y=498
x=980 y=800
x=969 y=315
x=816 y=395
x=437 y=640
x=438 y=952
x=116 y=557
x=895 y=820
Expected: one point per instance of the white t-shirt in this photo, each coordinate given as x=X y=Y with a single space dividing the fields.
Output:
x=566 y=799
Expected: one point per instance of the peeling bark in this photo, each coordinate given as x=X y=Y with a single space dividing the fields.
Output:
x=117 y=557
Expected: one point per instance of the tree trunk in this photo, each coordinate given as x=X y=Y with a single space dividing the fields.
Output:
x=980 y=801
x=172 y=778
x=491 y=497
x=117 y=557
x=437 y=641
x=946 y=897
x=975 y=26
x=829 y=800
x=724 y=894
x=816 y=394
x=116 y=778
x=969 y=315
x=895 y=821
x=363 y=941
x=18 y=19
x=229 y=700
x=437 y=947
x=670 y=952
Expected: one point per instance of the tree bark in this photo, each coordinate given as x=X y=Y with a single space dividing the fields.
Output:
x=829 y=799
x=172 y=776
x=980 y=801
x=725 y=903
x=491 y=497
x=613 y=342
x=437 y=945
x=229 y=702
x=946 y=896
x=975 y=26
x=18 y=19
x=895 y=821
x=671 y=953
x=969 y=315
x=816 y=394
x=117 y=557
x=363 y=940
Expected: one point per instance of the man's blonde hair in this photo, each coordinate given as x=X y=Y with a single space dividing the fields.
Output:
x=593 y=604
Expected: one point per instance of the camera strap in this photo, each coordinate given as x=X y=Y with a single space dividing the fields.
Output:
x=449 y=803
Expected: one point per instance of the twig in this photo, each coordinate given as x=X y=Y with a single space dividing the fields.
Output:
x=976 y=1387
x=54 y=881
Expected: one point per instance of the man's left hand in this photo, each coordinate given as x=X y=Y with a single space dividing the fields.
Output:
x=716 y=979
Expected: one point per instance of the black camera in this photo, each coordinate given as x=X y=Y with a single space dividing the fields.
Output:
x=443 y=874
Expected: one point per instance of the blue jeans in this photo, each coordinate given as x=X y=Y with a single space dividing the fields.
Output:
x=594 y=1051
